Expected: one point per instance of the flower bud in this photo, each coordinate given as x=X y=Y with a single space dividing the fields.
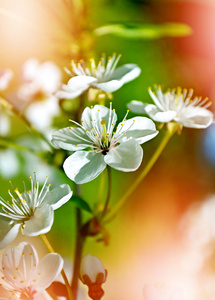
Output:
x=93 y=274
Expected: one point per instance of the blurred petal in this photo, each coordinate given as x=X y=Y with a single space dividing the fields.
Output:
x=158 y=115
x=137 y=107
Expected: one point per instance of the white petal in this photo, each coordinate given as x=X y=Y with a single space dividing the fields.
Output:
x=49 y=267
x=91 y=266
x=160 y=116
x=7 y=295
x=97 y=113
x=48 y=76
x=137 y=107
x=84 y=166
x=45 y=109
x=58 y=196
x=67 y=139
x=75 y=86
x=195 y=117
x=109 y=86
x=125 y=157
x=5 y=78
x=126 y=73
x=8 y=232
x=30 y=68
x=120 y=76
x=140 y=128
x=63 y=93
x=157 y=100
x=80 y=81
x=19 y=262
x=41 y=222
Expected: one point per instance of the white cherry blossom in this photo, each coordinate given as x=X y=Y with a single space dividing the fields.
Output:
x=32 y=211
x=104 y=76
x=176 y=105
x=24 y=276
x=98 y=143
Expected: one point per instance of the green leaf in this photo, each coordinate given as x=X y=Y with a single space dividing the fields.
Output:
x=82 y=204
x=144 y=31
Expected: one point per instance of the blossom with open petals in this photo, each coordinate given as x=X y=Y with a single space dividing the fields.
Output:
x=151 y=292
x=95 y=144
x=40 y=80
x=104 y=77
x=93 y=274
x=176 y=105
x=24 y=276
x=32 y=211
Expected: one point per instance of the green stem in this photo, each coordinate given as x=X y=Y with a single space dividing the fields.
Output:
x=108 y=193
x=145 y=171
x=78 y=247
x=51 y=250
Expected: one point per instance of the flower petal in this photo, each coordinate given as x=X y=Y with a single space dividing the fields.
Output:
x=160 y=116
x=109 y=86
x=67 y=139
x=48 y=269
x=58 y=196
x=75 y=86
x=64 y=92
x=125 y=157
x=8 y=232
x=41 y=222
x=140 y=128
x=81 y=81
x=91 y=266
x=83 y=166
x=7 y=294
x=96 y=114
x=126 y=73
x=18 y=263
x=195 y=117
x=137 y=107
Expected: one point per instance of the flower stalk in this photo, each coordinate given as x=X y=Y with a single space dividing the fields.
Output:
x=51 y=250
x=171 y=130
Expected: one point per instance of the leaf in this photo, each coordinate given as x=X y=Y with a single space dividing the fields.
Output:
x=144 y=31
x=82 y=204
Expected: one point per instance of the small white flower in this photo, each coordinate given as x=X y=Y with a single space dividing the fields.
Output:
x=104 y=77
x=96 y=144
x=5 y=78
x=93 y=274
x=25 y=277
x=176 y=105
x=41 y=80
x=151 y=292
x=32 y=211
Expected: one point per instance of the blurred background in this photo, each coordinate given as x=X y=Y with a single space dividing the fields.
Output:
x=158 y=235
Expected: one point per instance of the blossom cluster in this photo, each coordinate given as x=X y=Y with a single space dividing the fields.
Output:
x=91 y=144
